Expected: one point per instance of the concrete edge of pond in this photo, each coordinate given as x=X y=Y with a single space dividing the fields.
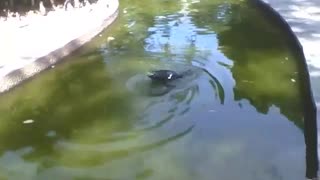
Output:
x=20 y=75
x=310 y=109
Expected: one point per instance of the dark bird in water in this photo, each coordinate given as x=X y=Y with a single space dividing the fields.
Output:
x=164 y=75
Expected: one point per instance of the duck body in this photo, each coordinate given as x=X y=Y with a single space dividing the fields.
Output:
x=159 y=82
x=164 y=75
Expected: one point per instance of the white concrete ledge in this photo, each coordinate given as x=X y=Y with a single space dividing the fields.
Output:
x=37 y=47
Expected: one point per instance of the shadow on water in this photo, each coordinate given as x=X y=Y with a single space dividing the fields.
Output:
x=237 y=46
x=260 y=87
x=239 y=114
x=309 y=106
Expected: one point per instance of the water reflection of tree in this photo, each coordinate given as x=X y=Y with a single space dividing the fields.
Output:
x=258 y=51
x=60 y=105
x=215 y=17
x=137 y=16
x=84 y=106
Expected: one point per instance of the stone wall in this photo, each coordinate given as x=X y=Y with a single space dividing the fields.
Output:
x=39 y=46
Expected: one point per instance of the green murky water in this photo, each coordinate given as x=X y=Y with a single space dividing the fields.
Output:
x=236 y=116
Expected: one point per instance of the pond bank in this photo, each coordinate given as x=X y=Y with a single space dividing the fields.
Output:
x=33 y=47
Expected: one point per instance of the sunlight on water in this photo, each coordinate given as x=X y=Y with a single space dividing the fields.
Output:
x=235 y=114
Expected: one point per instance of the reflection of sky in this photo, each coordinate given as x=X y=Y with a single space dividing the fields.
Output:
x=179 y=33
x=229 y=141
x=14 y=166
x=248 y=144
x=185 y=40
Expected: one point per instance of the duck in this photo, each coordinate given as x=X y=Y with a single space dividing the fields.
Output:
x=164 y=75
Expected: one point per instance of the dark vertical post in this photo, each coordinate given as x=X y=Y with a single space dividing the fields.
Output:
x=310 y=136
x=309 y=106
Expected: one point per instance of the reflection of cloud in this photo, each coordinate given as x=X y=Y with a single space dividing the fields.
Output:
x=12 y=166
x=242 y=154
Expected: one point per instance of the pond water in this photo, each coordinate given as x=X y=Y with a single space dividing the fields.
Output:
x=235 y=115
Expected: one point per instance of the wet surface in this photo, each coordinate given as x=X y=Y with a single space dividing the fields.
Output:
x=237 y=115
